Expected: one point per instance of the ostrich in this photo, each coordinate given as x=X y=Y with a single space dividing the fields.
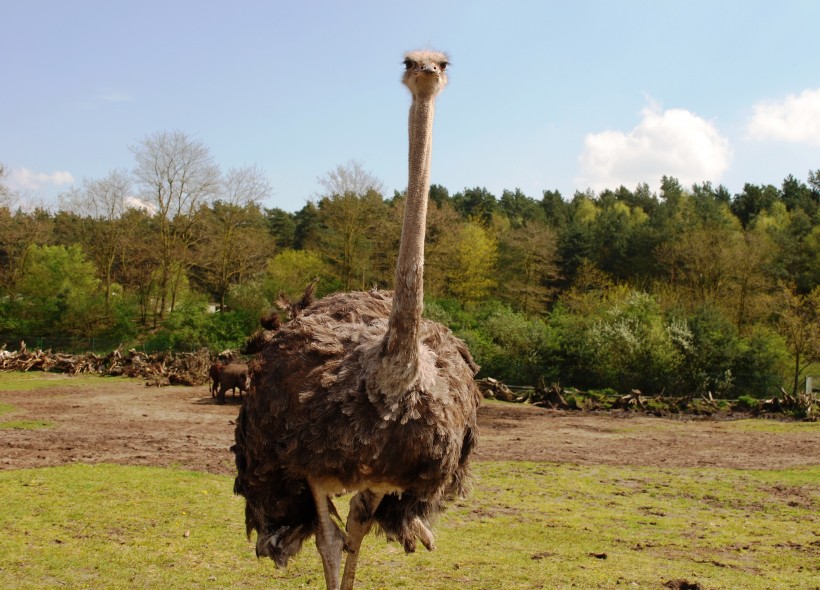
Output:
x=358 y=393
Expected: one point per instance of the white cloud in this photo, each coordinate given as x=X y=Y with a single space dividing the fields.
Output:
x=674 y=142
x=137 y=203
x=25 y=179
x=794 y=119
x=113 y=95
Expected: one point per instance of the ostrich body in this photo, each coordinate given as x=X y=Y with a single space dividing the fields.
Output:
x=359 y=393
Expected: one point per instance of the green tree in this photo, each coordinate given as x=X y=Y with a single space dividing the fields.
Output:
x=442 y=222
x=519 y=208
x=237 y=241
x=797 y=195
x=799 y=323
x=306 y=227
x=556 y=210
x=719 y=266
x=712 y=204
x=622 y=239
x=59 y=293
x=528 y=266
x=794 y=255
x=752 y=201
x=137 y=265
x=282 y=226
x=290 y=271
x=577 y=239
x=472 y=275
x=439 y=195
x=348 y=225
x=475 y=203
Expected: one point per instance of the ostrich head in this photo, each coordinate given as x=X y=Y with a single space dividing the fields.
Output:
x=424 y=74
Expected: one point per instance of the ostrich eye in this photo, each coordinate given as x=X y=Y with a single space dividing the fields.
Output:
x=443 y=65
x=408 y=63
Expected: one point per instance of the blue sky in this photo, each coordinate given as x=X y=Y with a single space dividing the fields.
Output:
x=542 y=95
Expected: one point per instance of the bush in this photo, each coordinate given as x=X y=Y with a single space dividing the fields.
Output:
x=527 y=348
x=727 y=364
x=746 y=403
x=191 y=327
x=622 y=341
x=761 y=364
x=508 y=345
x=715 y=349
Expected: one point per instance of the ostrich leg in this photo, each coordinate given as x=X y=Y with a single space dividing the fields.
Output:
x=359 y=522
x=329 y=539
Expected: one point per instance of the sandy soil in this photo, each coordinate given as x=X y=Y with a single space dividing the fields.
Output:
x=129 y=423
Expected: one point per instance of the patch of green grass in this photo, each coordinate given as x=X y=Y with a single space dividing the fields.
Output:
x=25 y=381
x=25 y=424
x=776 y=426
x=526 y=526
x=20 y=424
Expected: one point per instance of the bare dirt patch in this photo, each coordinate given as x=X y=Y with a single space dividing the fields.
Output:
x=131 y=424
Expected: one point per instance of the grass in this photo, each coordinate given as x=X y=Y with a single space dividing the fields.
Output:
x=21 y=381
x=25 y=424
x=774 y=426
x=20 y=424
x=526 y=526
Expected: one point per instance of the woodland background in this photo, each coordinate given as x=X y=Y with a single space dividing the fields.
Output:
x=686 y=291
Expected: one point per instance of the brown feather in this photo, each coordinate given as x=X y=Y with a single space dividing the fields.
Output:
x=314 y=411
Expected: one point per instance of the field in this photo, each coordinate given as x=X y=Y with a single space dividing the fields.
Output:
x=106 y=483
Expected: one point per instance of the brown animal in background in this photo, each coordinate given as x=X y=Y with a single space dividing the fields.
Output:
x=233 y=376
x=213 y=374
x=359 y=393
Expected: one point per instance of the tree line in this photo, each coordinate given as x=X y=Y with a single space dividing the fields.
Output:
x=687 y=290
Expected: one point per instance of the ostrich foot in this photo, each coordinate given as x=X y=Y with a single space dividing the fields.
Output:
x=359 y=522
x=330 y=540
x=424 y=534
x=419 y=530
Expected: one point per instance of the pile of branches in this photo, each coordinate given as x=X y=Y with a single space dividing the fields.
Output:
x=802 y=406
x=158 y=369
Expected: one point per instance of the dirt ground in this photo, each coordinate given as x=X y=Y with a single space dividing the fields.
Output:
x=129 y=423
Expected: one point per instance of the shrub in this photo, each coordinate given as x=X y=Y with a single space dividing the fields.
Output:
x=191 y=327
x=624 y=342
x=746 y=403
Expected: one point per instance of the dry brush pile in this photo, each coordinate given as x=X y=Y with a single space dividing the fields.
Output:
x=158 y=369
x=803 y=406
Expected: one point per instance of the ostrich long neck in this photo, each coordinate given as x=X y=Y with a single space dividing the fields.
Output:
x=401 y=341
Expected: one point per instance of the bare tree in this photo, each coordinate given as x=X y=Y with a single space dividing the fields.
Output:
x=5 y=193
x=19 y=231
x=349 y=178
x=99 y=206
x=178 y=176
